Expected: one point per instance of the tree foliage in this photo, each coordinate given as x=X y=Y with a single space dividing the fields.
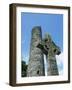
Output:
x=24 y=68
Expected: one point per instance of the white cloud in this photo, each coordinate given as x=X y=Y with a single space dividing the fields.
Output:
x=59 y=59
x=45 y=64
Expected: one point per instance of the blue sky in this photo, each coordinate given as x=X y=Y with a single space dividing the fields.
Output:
x=51 y=23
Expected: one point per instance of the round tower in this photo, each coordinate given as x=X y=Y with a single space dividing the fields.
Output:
x=36 y=60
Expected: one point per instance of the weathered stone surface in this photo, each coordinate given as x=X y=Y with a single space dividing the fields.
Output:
x=49 y=48
x=52 y=66
x=36 y=60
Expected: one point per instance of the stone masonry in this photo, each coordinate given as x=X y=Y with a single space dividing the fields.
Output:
x=36 y=60
x=50 y=49
x=39 y=47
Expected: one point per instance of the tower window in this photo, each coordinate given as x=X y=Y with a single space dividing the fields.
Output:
x=38 y=72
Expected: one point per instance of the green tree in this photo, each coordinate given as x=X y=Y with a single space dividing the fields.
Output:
x=23 y=68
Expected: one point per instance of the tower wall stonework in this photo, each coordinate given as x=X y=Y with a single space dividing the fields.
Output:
x=36 y=60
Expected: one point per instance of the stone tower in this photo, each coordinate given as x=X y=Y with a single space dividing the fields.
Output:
x=50 y=49
x=36 y=60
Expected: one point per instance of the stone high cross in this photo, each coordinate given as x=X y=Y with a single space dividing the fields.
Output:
x=50 y=49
